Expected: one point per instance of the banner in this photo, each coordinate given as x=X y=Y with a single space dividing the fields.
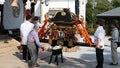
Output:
x=13 y=16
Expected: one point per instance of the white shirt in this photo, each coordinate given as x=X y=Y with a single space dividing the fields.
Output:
x=25 y=28
x=99 y=34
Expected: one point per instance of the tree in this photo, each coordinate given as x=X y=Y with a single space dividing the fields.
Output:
x=93 y=9
x=101 y=6
x=116 y=3
x=89 y=12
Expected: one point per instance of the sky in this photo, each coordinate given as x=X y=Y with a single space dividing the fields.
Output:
x=110 y=0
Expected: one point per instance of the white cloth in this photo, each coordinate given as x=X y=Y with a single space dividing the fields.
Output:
x=37 y=8
x=25 y=28
x=2 y=1
x=99 y=34
x=28 y=4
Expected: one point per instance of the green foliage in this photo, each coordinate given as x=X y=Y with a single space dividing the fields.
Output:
x=91 y=31
x=101 y=6
x=89 y=15
x=116 y=3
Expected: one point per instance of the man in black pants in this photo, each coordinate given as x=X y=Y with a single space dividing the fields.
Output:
x=25 y=28
x=99 y=36
x=99 y=57
x=26 y=54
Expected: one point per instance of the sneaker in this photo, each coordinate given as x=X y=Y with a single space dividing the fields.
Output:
x=113 y=64
x=98 y=67
x=32 y=67
x=23 y=61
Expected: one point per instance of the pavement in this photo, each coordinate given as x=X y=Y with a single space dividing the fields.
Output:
x=83 y=58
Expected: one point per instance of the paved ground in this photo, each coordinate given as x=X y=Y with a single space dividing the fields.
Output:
x=83 y=58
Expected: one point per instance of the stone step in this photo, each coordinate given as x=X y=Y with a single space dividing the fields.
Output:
x=8 y=44
x=8 y=49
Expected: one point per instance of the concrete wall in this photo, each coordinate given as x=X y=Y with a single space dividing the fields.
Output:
x=56 y=4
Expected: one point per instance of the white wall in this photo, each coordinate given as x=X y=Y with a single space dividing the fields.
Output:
x=60 y=4
x=57 y=4
x=63 y=4
x=82 y=8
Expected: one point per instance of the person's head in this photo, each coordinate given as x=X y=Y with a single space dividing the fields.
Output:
x=28 y=17
x=113 y=25
x=36 y=27
x=35 y=19
x=99 y=23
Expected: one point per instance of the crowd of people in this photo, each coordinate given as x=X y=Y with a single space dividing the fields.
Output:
x=99 y=37
x=31 y=43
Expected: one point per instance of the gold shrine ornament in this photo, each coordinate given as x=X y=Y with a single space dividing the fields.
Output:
x=14 y=3
x=63 y=13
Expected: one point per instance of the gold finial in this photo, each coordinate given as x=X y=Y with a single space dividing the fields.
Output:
x=14 y=3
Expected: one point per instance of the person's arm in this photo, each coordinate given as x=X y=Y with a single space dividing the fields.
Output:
x=36 y=38
x=99 y=42
x=21 y=34
x=115 y=36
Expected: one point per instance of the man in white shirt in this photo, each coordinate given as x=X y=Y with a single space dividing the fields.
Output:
x=25 y=29
x=99 y=36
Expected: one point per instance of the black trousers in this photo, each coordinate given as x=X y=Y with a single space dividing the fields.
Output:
x=37 y=48
x=26 y=54
x=99 y=57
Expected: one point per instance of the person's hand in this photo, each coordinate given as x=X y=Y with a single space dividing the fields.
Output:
x=42 y=49
x=99 y=46
x=110 y=39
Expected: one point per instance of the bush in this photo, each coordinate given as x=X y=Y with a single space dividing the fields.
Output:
x=91 y=30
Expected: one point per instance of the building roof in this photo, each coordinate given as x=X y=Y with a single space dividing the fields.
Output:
x=111 y=13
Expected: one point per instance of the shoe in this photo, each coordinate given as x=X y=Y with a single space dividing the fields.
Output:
x=113 y=64
x=37 y=65
x=24 y=61
x=32 y=67
x=98 y=67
